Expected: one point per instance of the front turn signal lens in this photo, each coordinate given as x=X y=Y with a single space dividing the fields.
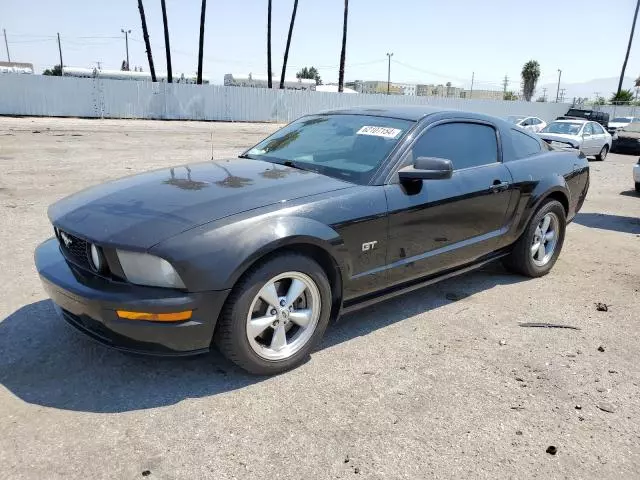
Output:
x=155 y=317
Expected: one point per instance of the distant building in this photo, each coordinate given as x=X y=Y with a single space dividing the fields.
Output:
x=407 y=88
x=379 y=87
x=16 y=67
x=448 y=91
x=483 y=94
x=261 y=81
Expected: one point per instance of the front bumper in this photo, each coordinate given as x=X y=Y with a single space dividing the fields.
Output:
x=89 y=303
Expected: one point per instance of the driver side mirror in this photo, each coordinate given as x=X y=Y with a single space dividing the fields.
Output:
x=427 y=168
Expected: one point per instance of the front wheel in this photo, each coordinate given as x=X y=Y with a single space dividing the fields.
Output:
x=537 y=250
x=275 y=315
x=638 y=187
x=603 y=153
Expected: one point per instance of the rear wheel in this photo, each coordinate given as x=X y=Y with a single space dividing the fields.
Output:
x=603 y=153
x=638 y=187
x=275 y=315
x=537 y=250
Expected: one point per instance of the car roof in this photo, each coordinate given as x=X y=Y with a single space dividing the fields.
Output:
x=404 y=112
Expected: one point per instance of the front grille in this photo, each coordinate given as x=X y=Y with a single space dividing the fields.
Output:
x=74 y=249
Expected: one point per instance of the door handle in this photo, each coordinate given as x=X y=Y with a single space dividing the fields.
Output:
x=499 y=186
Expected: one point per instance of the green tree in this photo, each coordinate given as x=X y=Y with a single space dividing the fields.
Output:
x=56 y=71
x=509 y=96
x=530 y=75
x=600 y=101
x=310 y=73
x=623 y=96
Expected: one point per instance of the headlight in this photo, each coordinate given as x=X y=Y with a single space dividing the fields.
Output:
x=145 y=269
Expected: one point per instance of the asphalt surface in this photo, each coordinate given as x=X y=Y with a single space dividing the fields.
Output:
x=444 y=382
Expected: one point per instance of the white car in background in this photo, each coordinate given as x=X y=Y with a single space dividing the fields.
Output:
x=620 y=122
x=590 y=137
x=533 y=124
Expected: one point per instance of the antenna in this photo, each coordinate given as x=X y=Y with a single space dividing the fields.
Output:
x=211 y=144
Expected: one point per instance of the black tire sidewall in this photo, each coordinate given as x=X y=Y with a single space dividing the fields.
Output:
x=237 y=347
x=600 y=156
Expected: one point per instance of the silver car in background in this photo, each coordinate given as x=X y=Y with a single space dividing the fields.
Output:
x=533 y=124
x=620 y=122
x=590 y=137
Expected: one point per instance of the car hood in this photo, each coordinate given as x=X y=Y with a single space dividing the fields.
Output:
x=624 y=134
x=143 y=210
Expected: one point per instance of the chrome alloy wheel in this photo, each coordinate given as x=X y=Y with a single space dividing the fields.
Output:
x=283 y=315
x=545 y=239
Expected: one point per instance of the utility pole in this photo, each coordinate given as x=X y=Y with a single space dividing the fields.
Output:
x=167 y=48
x=562 y=90
x=147 y=44
x=544 y=93
x=60 y=51
x=505 y=82
x=473 y=75
x=6 y=44
x=389 y=73
x=558 y=90
x=126 y=42
x=626 y=57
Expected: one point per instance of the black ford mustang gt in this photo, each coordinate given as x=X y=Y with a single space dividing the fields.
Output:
x=334 y=211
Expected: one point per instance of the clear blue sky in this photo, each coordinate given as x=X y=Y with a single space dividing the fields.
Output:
x=434 y=41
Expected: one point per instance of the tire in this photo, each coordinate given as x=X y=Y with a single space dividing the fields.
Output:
x=603 y=153
x=259 y=354
x=522 y=258
x=638 y=187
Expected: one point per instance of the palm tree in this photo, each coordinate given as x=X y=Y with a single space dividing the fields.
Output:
x=530 y=75
x=147 y=44
x=344 y=47
x=286 y=50
x=269 y=71
x=166 y=40
x=202 y=20
x=626 y=57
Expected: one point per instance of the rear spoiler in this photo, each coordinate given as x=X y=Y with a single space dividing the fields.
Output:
x=550 y=138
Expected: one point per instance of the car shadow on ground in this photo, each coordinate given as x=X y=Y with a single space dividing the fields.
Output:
x=630 y=193
x=45 y=362
x=605 y=221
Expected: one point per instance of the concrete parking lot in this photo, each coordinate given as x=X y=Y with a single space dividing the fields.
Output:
x=440 y=383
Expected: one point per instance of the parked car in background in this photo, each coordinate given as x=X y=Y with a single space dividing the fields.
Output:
x=590 y=137
x=533 y=124
x=575 y=113
x=636 y=175
x=620 y=122
x=333 y=212
x=627 y=139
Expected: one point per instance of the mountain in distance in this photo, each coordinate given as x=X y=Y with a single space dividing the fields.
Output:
x=605 y=86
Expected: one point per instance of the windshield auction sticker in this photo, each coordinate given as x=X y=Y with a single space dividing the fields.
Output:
x=385 y=132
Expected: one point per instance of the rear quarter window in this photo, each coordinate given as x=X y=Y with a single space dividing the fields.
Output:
x=524 y=145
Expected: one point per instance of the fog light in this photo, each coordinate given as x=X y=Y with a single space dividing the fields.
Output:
x=96 y=259
x=155 y=317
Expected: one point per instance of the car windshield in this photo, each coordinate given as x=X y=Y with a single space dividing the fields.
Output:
x=632 y=127
x=566 y=128
x=622 y=120
x=349 y=147
x=515 y=119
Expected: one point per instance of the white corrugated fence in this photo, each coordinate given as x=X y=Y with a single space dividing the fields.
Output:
x=38 y=95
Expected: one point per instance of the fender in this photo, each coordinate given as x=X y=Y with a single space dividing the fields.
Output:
x=223 y=253
x=532 y=194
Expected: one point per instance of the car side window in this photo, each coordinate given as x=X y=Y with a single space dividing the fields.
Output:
x=587 y=129
x=465 y=144
x=597 y=129
x=527 y=122
x=524 y=145
x=537 y=121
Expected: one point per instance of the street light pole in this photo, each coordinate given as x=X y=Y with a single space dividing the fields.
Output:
x=126 y=42
x=558 y=90
x=6 y=44
x=389 y=74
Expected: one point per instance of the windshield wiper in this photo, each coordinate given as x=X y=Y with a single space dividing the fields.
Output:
x=246 y=155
